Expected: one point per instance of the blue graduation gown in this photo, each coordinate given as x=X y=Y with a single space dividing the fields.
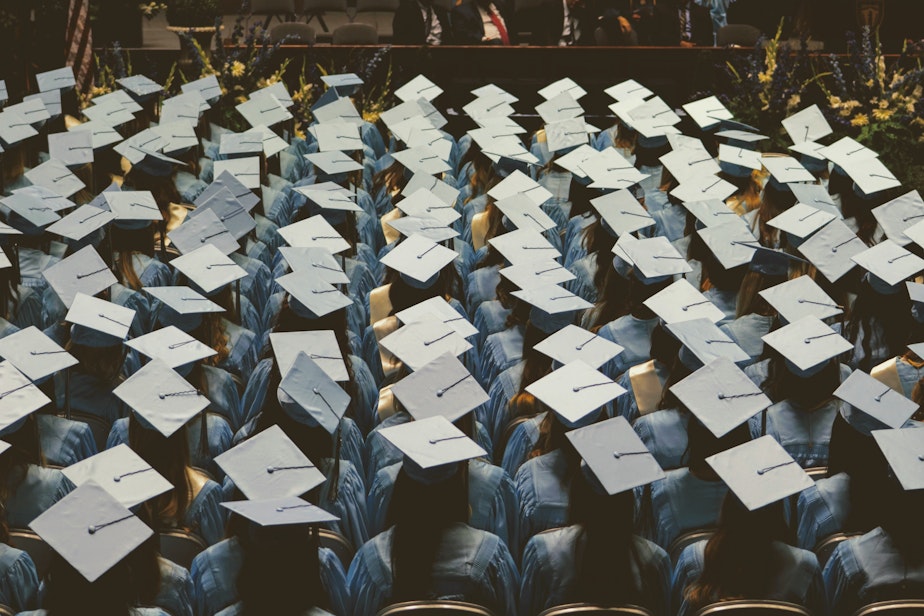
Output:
x=177 y=593
x=63 y=441
x=805 y=434
x=747 y=331
x=19 y=583
x=680 y=503
x=664 y=433
x=634 y=335
x=822 y=510
x=39 y=489
x=500 y=351
x=543 y=487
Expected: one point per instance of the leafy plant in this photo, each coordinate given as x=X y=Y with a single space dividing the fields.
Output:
x=192 y=13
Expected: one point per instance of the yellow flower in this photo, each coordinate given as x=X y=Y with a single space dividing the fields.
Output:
x=917 y=92
x=883 y=104
x=845 y=112
x=883 y=114
x=237 y=69
x=793 y=101
x=765 y=77
x=861 y=119
x=834 y=101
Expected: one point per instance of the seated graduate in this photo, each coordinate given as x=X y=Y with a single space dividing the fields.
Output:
x=749 y=557
x=430 y=552
x=421 y=22
x=483 y=22
x=597 y=558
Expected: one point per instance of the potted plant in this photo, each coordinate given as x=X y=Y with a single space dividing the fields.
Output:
x=195 y=18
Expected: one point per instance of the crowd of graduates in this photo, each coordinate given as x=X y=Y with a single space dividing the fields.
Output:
x=645 y=363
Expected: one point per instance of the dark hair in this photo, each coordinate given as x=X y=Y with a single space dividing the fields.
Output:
x=740 y=560
x=808 y=393
x=104 y=363
x=879 y=318
x=402 y=295
x=612 y=299
x=774 y=202
x=169 y=456
x=858 y=455
x=9 y=285
x=420 y=514
x=901 y=520
x=749 y=299
x=25 y=449
x=702 y=443
x=125 y=243
x=535 y=366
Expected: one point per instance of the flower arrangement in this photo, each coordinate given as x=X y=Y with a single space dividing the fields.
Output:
x=151 y=9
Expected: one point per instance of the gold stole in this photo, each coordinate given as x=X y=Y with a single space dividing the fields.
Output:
x=391 y=235
x=379 y=304
x=387 y=406
x=887 y=374
x=381 y=328
x=646 y=386
x=479 y=230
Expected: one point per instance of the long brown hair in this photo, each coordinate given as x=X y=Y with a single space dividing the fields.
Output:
x=535 y=366
x=125 y=243
x=169 y=456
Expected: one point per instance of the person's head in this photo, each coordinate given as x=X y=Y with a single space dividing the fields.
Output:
x=900 y=512
x=702 y=443
x=126 y=242
x=856 y=453
x=102 y=362
x=169 y=456
x=805 y=390
x=879 y=320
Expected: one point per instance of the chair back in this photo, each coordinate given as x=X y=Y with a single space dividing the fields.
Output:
x=338 y=544
x=6 y=611
x=314 y=7
x=272 y=7
x=363 y=6
x=292 y=33
x=98 y=426
x=180 y=546
x=741 y=35
x=688 y=538
x=40 y=552
x=747 y=607
x=900 y=607
x=435 y=608
x=355 y=34
x=817 y=472
x=826 y=546
x=589 y=609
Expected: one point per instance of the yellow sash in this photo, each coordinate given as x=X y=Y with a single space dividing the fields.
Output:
x=381 y=328
x=887 y=374
x=391 y=235
x=379 y=304
x=479 y=230
x=646 y=386
x=387 y=406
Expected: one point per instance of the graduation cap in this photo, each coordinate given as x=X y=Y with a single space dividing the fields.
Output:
x=158 y=165
x=421 y=159
x=420 y=342
x=241 y=193
x=520 y=211
x=902 y=450
x=629 y=89
x=531 y=274
x=520 y=183
x=241 y=144
x=896 y=216
x=310 y=296
x=442 y=387
x=110 y=113
x=333 y=163
x=91 y=530
x=846 y=151
x=807 y=345
x=98 y=323
x=321 y=346
x=310 y=397
x=572 y=343
x=708 y=112
x=704 y=342
x=438 y=309
x=553 y=306
x=230 y=213
x=82 y=272
x=808 y=124
x=732 y=243
x=703 y=187
x=203 y=229
x=422 y=202
x=687 y=163
x=655 y=259
x=710 y=212
x=446 y=193
x=19 y=398
x=320 y=261
x=101 y=135
x=14 y=127
x=430 y=228
x=269 y=465
x=72 y=148
x=208 y=268
x=870 y=175
x=345 y=84
x=35 y=354
x=616 y=455
x=57 y=79
x=329 y=108
x=566 y=85
x=831 y=249
x=682 y=302
x=621 y=212
x=132 y=209
x=524 y=246
x=81 y=222
x=889 y=262
x=739 y=162
x=264 y=110
x=880 y=404
x=575 y=391
x=287 y=511
x=161 y=398
x=207 y=87
x=181 y=306
x=55 y=176
x=800 y=297
x=565 y=134
x=276 y=89
x=432 y=447
x=32 y=210
x=122 y=473
x=171 y=345
x=419 y=259
x=245 y=170
x=801 y=220
x=760 y=472
x=140 y=87
x=786 y=170
x=338 y=137
x=721 y=396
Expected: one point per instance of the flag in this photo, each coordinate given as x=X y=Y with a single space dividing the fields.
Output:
x=79 y=43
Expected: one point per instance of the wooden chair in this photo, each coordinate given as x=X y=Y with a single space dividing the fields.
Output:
x=826 y=546
x=98 y=426
x=40 y=552
x=688 y=538
x=747 y=607
x=338 y=544
x=435 y=608
x=293 y=34
x=283 y=10
x=589 y=609
x=180 y=546
x=355 y=34
x=900 y=607
x=6 y=611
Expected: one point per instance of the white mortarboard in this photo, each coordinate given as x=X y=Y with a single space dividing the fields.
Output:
x=786 y=169
x=122 y=473
x=760 y=472
x=33 y=109
x=552 y=299
x=876 y=399
x=573 y=160
x=488 y=106
x=740 y=137
x=418 y=87
x=55 y=176
x=208 y=268
x=562 y=106
x=204 y=228
x=91 y=530
x=314 y=231
x=622 y=212
x=312 y=292
x=807 y=343
x=171 y=345
x=721 y=396
x=629 y=89
x=732 y=244
x=419 y=132
x=287 y=511
x=82 y=272
x=420 y=342
x=237 y=144
x=871 y=175
x=183 y=300
x=132 y=205
x=344 y=83
x=576 y=343
x=682 y=302
x=419 y=258
x=340 y=110
x=438 y=309
x=800 y=297
x=139 y=145
x=416 y=111
x=276 y=89
x=812 y=150
x=330 y=196
x=801 y=220
x=830 y=249
x=707 y=112
x=531 y=274
x=161 y=397
x=122 y=97
x=4 y=94
x=264 y=110
x=338 y=137
x=32 y=208
x=81 y=222
x=101 y=316
x=703 y=187
x=321 y=346
x=562 y=85
x=903 y=449
x=18 y=396
x=316 y=399
x=110 y=113
x=688 y=163
x=847 y=150
x=320 y=261
x=501 y=125
x=56 y=79
x=71 y=148
x=47 y=197
x=524 y=246
x=421 y=159
x=706 y=341
x=226 y=180
x=897 y=215
x=564 y=134
x=493 y=89
x=35 y=354
x=433 y=441
x=272 y=143
x=444 y=387
x=655 y=257
x=184 y=109
x=270 y=465
x=518 y=182
x=739 y=156
x=446 y=193
x=524 y=214
x=14 y=127
x=333 y=163
x=574 y=391
x=207 y=87
x=808 y=124
x=140 y=85
x=230 y=214
x=422 y=202
x=100 y=134
x=615 y=455
x=430 y=228
x=245 y=170
x=889 y=262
